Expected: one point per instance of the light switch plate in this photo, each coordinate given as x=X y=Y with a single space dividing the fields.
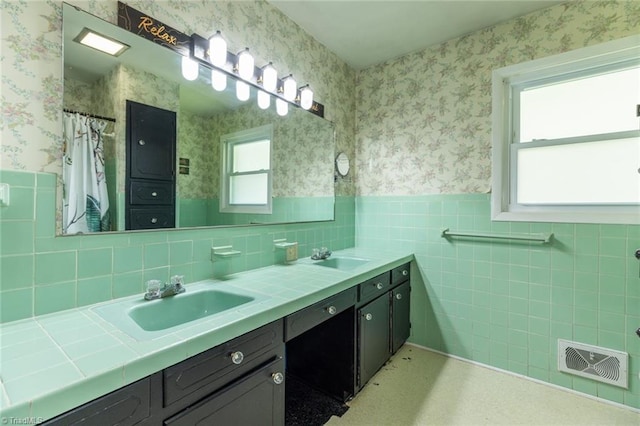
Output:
x=4 y=194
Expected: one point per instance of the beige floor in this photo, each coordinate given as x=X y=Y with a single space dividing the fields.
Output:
x=419 y=387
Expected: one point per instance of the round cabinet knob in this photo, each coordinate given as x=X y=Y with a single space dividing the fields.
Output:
x=141 y=142
x=379 y=286
x=154 y=194
x=332 y=310
x=368 y=317
x=237 y=357
x=154 y=220
x=405 y=272
x=398 y=296
x=278 y=378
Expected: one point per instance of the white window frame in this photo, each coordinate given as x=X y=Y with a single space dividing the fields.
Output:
x=226 y=144
x=503 y=130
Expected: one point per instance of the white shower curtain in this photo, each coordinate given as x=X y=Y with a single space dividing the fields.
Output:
x=85 y=198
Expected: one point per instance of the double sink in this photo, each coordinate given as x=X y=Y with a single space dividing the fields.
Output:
x=145 y=320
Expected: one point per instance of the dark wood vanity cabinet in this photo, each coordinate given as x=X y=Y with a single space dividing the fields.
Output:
x=383 y=320
x=151 y=165
x=238 y=382
x=335 y=345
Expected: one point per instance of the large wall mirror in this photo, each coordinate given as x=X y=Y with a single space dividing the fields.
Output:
x=302 y=150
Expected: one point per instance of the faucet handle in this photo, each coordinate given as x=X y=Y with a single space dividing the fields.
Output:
x=153 y=288
x=177 y=282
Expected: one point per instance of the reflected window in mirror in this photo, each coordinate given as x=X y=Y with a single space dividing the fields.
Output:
x=246 y=171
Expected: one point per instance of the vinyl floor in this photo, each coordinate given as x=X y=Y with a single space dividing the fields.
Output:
x=420 y=387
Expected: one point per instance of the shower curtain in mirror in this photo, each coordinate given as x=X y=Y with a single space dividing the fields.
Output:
x=85 y=200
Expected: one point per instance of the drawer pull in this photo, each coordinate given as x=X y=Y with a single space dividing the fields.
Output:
x=278 y=378
x=405 y=272
x=399 y=296
x=332 y=310
x=368 y=317
x=141 y=142
x=154 y=220
x=379 y=286
x=154 y=194
x=237 y=357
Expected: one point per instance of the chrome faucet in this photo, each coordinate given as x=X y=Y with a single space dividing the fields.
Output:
x=321 y=254
x=157 y=290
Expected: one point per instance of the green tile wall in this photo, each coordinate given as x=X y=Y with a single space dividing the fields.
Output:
x=41 y=273
x=505 y=304
x=205 y=212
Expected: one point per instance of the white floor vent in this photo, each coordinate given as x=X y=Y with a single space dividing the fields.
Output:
x=593 y=362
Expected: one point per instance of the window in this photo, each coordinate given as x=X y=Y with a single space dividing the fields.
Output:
x=246 y=171
x=566 y=137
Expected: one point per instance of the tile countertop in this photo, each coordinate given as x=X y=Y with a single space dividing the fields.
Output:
x=53 y=363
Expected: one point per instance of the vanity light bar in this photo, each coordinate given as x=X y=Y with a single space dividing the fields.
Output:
x=200 y=47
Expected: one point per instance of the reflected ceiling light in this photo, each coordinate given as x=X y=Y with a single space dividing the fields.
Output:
x=306 y=97
x=218 y=50
x=189 y=68
x=242 y=91
x=246 y=64
x=269 y=77
x=289 y=88
x=218 y=80
x=99 y=42
x=264 y=99
x=282 y=108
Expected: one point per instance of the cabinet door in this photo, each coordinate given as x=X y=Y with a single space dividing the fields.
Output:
x=152 y=142
x=400 y=322
x=258 y=399
x=374 y=330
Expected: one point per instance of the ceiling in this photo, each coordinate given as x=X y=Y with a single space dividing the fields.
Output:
x=365 y=33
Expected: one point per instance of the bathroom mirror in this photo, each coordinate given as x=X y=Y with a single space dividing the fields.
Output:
x=98 y=84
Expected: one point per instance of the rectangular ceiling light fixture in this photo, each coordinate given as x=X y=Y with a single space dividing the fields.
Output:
x=102 y=43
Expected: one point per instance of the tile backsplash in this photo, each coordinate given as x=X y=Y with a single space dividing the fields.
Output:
x=41 y=273
x=505 y=303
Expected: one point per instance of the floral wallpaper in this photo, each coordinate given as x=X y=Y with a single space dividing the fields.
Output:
x=31 y=66
x=424 y=120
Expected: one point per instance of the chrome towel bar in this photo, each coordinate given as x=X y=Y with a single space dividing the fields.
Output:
x=542 y=238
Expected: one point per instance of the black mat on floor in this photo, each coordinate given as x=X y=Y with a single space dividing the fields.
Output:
x=306 y=406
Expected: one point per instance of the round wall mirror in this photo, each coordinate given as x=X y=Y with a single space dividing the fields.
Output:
x=342 y=164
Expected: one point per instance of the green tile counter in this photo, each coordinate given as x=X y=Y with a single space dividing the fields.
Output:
x=53 y=363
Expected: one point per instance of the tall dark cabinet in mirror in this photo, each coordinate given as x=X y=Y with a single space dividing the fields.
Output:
x=95 y=83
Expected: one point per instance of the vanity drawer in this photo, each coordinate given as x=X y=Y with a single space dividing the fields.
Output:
x=307 y=318
x=152 y=218
x=149 y=192
x=129 y=405
x=202 y=374
x=374 y=287
x=401 y=274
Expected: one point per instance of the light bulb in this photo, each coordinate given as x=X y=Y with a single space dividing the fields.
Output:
x=264 y=99
x=245 y=64
x=242 y=91
x=218 y=50
x=218 y=80
x=289 y=88
x=282 y=107
x=269 y=77
x=306 y=97
x=189 y=68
